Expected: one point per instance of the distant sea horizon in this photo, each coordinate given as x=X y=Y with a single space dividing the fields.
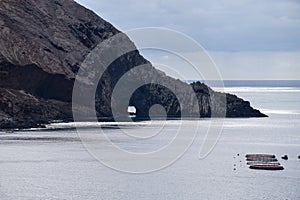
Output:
x=249 y=83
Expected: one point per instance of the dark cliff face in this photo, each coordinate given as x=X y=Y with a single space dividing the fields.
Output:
x=42 y=45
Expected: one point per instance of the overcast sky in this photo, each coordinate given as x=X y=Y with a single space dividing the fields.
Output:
x=257 y=39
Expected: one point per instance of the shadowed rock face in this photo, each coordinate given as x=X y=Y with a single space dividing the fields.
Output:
x=19 y=109
x=42 y=45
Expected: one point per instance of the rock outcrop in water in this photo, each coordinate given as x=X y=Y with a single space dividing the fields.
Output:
x=42 y=45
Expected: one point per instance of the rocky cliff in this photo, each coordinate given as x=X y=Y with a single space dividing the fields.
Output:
x=42 y=45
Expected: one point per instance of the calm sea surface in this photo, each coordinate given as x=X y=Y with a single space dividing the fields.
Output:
x=53 y=164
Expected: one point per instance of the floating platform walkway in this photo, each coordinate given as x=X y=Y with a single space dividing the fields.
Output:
x=263 y=162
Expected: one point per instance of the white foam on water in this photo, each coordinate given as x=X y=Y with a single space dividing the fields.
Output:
x=92 y=124
x=280 y=112
x=257 y=89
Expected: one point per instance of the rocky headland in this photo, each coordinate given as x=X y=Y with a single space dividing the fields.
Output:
x=42 y=46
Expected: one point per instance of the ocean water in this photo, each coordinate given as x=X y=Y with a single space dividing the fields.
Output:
x=54 y=164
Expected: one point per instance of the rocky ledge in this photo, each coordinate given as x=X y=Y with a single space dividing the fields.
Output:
x=42 y=45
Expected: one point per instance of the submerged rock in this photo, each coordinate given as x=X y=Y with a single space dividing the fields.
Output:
x=285 y=157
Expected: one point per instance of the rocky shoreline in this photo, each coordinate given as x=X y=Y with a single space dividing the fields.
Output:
x=43 y=44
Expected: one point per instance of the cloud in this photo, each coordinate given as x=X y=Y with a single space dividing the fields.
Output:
x=249 y=39
x=261 y=65
x=230 y=25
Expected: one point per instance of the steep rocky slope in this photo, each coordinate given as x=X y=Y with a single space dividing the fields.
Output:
x=42 y=45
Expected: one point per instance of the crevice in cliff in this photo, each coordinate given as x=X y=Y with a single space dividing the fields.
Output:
x=32 y=79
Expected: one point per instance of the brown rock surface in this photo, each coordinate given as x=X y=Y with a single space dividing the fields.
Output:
x=42 y=45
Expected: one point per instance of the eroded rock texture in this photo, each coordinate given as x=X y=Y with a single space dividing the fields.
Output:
x=42 y=46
